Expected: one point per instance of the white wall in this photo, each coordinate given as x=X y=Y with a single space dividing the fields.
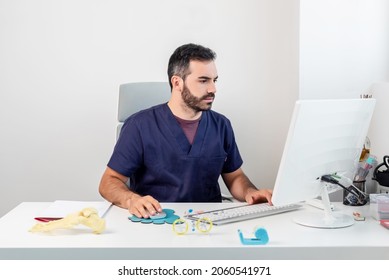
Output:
x=344 y=47
x=61 y=64
x=344 y=52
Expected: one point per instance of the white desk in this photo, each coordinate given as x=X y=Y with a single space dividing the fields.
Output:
x=124 y=239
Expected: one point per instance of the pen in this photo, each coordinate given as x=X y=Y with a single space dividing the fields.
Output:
x=364 y=170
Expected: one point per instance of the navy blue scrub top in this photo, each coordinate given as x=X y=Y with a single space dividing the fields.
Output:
x=155 y=154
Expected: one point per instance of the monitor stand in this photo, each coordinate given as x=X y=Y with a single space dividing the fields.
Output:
x=326 y=218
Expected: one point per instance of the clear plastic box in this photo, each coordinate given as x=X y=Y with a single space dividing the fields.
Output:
x=379 y=206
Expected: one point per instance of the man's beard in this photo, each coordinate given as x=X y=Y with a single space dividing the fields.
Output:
x=194 y=102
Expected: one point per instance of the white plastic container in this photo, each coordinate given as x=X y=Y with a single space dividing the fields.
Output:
x=379 y=206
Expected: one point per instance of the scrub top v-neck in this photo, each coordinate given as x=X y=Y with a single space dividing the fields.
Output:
x=154 y=152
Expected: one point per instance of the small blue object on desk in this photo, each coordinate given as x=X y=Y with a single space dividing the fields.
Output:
x=166 y=216
x=261 y=237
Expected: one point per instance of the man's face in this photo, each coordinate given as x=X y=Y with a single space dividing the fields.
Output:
x=199 y=86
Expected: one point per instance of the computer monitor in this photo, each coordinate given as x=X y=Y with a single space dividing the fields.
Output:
x=325 y=137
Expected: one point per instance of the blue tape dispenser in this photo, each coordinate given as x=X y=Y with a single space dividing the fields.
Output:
x=261 y=237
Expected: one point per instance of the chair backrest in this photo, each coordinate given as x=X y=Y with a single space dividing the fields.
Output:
x=134 y=97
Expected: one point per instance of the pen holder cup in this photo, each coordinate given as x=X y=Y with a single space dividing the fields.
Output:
x=357 y=188
x=360 y=185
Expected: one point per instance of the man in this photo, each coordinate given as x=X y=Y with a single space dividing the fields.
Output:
x=175 y=152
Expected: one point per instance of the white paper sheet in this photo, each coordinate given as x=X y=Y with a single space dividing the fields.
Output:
x=61 y=208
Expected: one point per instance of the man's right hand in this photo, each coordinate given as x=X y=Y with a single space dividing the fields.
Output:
x=143 y=206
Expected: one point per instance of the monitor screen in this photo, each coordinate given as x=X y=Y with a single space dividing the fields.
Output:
x=324 y=137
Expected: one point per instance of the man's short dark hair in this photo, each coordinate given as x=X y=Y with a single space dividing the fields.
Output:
x=183 y=55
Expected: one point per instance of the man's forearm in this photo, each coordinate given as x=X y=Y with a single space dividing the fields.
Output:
x=115 y=191
x=238 y=184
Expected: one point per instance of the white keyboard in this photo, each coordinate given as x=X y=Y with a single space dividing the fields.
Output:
x=242 y=212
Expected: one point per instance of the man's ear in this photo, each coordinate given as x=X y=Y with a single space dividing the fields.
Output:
x=177 y=83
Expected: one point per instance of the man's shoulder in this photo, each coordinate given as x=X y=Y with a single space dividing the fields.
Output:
x=219 y=117
x=148 y=112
